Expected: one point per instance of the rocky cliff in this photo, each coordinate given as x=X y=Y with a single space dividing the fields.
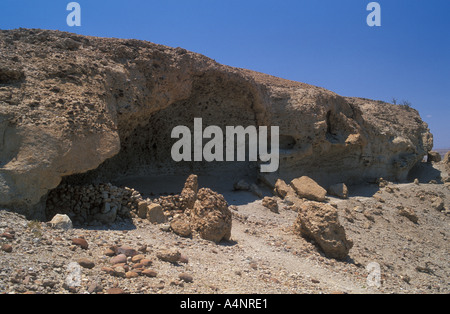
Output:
x=71 y=104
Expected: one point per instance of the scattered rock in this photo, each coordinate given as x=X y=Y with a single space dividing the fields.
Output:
x=340 y=190
x=109 y=252
x=61 y=222
x=7 y=248
x=142 y=209
x=149 y=273
x=81 y=243
x=119 y=259
x=409 y=213
x=86 y=263
x=282 y=189
x=155 y=214
x=271 y=203
x=181 y=226
x=183 y=259
x=127 y=251
x=131 y=274
x=95 y=287
x=115 y=291
x=137 y=258
x=320 y=223
x=438 y=204
x=308 y=188
x=186 y=277
x=169 y=255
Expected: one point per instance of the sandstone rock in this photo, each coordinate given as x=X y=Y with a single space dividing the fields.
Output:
x=446 y=162
x=438 y=203
x=282 y=189
x=119 y=259
x=169 y=255
x=61 y=222
x=137 y=258
x=184 y=259
x=119 y=271
x=181 y=226
x=308 y=188
x=434 y=157
x=149 y=273
x=142 y=209
x=95 y=287
x=115 y=291
x=7 y=248
x=81 y=243
x=210 y=217
x=409 y=213
x=86 y=263
x=131 y=274
x=339 y=190
x=320 y=223
x=271 y=203
x=155 y=214
x=109 y=252
x=127 y=251
x=89 y=121
x=189 y=192
x=186 y=277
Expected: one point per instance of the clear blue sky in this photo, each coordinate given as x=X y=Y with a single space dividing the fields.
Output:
x=321 y=42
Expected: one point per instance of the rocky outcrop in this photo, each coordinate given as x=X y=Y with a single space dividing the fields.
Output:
x=85 y=109
x=446 y=161
x=434 y=157
x=320 y=222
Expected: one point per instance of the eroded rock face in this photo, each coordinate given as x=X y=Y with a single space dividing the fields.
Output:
x=71 y=104
x=446 y=161
x=320 y=222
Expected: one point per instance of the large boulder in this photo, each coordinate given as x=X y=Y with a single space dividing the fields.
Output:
x=320 y=222
x=210 y=217
x=90 y=109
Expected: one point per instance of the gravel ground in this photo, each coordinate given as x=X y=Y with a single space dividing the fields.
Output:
x=263 y=256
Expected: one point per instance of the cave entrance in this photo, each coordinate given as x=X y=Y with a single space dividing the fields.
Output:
x=144 y=162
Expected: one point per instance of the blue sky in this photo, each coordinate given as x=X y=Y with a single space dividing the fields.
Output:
x=321 y=42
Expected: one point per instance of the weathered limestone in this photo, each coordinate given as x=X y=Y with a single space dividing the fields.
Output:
x=306 y=187
x=319 y=222
x=103 y=107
